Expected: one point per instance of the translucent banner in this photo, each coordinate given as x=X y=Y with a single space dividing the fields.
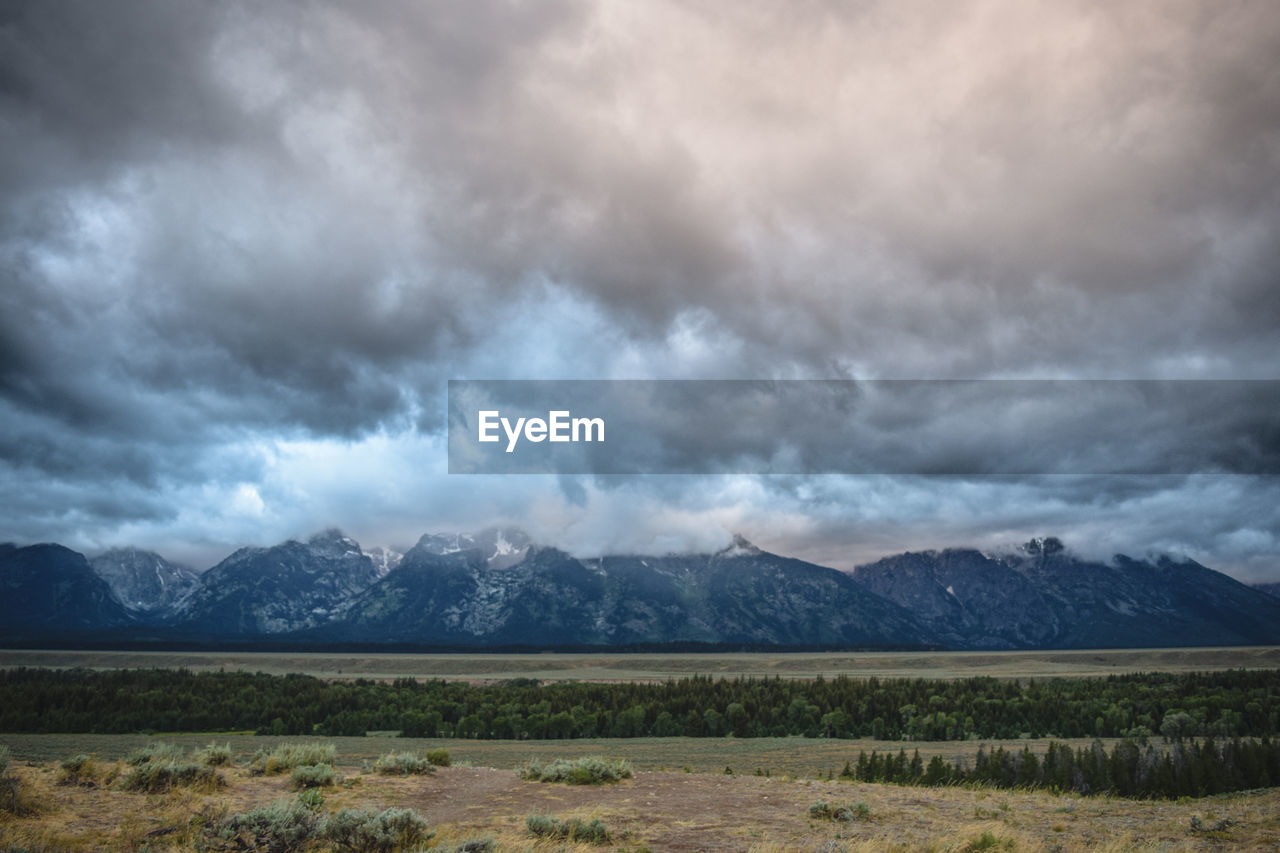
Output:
x=927 y=427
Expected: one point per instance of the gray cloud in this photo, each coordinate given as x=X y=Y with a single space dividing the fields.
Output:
x=940 y=427
x=230 y=231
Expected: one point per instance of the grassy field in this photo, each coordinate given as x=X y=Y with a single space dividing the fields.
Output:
x=782 y=756
x=681 y=799
x=658 y=667
x=654 y=811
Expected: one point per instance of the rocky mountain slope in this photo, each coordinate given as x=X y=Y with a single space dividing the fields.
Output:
x=1272 y=589
x=739 y=595
x=286 y=588
x=1041 y=596
x=144 y=582
x=49 y=588
x=497 y=587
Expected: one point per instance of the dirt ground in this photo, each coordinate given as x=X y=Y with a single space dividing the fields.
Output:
x=697 y=812
x=675 y=811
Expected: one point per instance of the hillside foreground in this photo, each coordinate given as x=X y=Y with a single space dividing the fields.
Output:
x=659 y=811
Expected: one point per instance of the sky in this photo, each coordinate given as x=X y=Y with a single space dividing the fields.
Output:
x=243 y=248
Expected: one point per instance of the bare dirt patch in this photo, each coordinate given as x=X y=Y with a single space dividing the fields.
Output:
x=703 y=812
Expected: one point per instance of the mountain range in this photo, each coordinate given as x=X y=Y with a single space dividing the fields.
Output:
x=498 y=588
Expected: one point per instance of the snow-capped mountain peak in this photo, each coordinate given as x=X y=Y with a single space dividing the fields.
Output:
x=739 y=547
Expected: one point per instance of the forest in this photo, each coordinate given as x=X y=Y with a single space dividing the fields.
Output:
x=1183 y=768
x=1224 y=705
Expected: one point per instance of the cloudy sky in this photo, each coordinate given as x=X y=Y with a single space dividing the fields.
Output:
x=244 y=246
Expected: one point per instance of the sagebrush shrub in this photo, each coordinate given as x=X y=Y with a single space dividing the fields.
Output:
x=159 y=751
x=12 y=799
x=281 y=827
x=78 y=770
x=313 y=776
x=859 y=811
x=367 y=831
x=584 y=771
x=159 y=776
x=403 y=764
x=10 y=795
x=287 y=756
x=439 y=757
x=988 y=841
x=311 y=798
x=573 y=829
x=214 y=755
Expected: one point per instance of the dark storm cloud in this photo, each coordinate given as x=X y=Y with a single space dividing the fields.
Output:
x=203 y=151
x=244 y=244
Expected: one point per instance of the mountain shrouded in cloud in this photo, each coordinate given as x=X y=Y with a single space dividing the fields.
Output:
x=243 y=248
x=499 y=588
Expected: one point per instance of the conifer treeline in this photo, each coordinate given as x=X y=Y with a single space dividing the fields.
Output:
x=1223 y=705
x=1183 y=768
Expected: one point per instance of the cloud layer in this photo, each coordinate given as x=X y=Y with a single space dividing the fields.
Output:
x=242 y=248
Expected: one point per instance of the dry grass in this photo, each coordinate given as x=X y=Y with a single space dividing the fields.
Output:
x=659 y=667
x=661 y=811
x=785 y=756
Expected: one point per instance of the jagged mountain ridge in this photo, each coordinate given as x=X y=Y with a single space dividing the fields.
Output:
x=1040 y=596
x=384 y=560
x=501 y=548
x=143 y=581
x=48 y=587
x=282 y=589
x=498 y=588
x=1272 y=589
x=739 y=595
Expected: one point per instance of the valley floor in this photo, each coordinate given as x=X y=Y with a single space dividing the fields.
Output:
x=796 y=757
x=663 y=811
x=607 y=666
